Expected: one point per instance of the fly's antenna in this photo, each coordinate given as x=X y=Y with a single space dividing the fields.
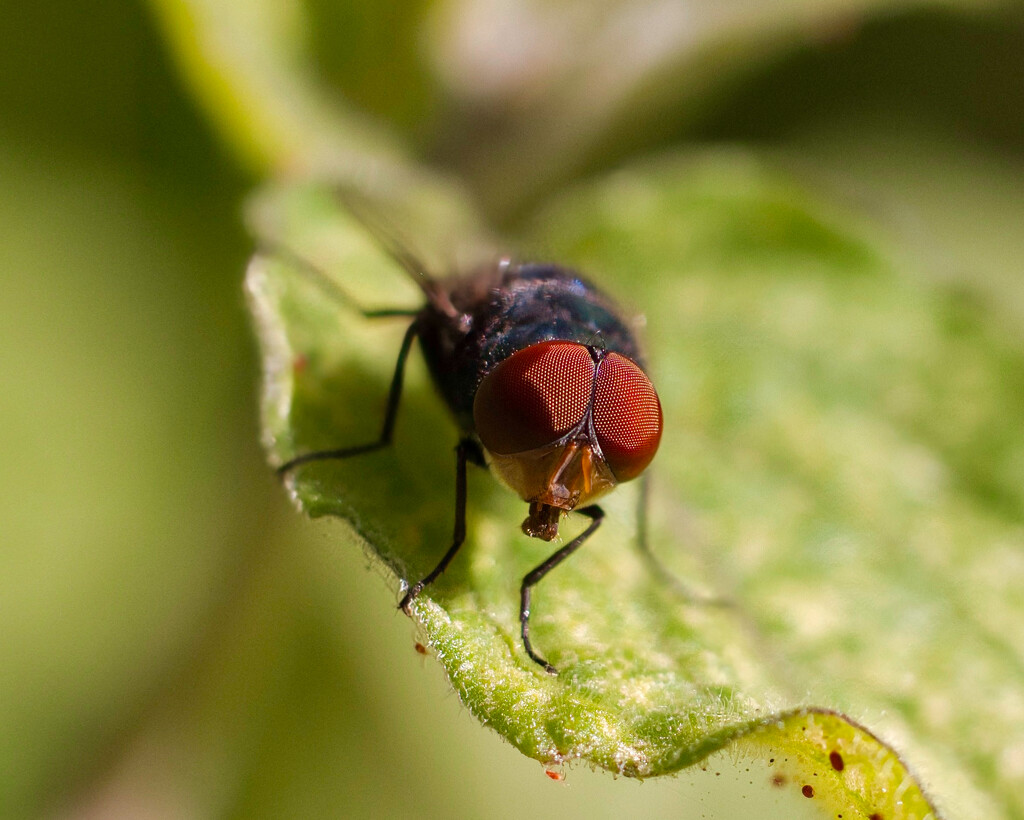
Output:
x=597 y=340
x=387 y=239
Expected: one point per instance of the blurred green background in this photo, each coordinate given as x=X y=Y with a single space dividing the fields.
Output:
x=175 y=641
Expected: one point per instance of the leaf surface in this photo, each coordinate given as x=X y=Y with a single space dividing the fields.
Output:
x=822 y=471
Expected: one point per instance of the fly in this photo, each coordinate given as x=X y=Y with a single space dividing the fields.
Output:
x=544 y=379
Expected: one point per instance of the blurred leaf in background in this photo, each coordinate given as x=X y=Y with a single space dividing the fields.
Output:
x=176 y=643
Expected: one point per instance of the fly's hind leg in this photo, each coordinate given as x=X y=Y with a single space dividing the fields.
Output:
x=313 y=273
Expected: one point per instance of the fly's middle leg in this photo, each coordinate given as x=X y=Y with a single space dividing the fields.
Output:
x=390 y=416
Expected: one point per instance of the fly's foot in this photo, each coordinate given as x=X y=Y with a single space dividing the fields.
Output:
x=410 y=596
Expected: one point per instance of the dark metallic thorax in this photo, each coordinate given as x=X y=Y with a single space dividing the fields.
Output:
x=506 y=308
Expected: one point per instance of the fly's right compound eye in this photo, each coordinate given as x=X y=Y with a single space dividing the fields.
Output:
x=627 y=416
x=534 y=397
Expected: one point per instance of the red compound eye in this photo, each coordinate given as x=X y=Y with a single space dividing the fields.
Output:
x=627 y=416
x=534 y=397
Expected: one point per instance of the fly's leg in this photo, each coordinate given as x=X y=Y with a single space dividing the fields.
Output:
x=468 y=450
x=312 y=272
x=654 y=564
x=537 y=573
x=390 y=415
x=315 y=274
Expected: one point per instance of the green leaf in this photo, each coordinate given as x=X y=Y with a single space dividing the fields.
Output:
x=842 y=462
x=953 y=209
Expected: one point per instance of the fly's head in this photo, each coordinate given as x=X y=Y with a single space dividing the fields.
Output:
x=562 y=423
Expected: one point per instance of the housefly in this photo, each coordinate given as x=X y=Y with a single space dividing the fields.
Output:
x=543 y=377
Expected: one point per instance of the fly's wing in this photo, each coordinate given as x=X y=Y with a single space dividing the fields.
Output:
x=360 y=207
x=370 y=214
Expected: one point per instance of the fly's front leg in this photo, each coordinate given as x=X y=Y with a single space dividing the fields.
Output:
x=468 y=450
x=537 y=573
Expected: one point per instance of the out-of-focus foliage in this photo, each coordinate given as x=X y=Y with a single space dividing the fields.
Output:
x=176 y=643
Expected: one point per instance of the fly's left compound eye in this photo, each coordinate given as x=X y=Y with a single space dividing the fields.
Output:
x=534 y=397
x=627 y=416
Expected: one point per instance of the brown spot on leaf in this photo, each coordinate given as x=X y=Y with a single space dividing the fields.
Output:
x=779 y=780
x=554 y=774
x=836 y=760
x=807 y=791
